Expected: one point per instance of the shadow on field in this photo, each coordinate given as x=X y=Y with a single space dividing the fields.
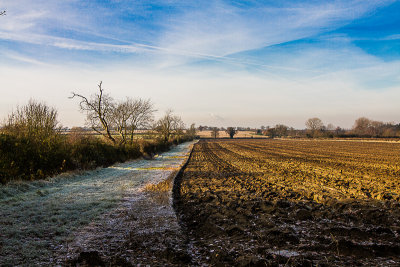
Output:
x=268 y=227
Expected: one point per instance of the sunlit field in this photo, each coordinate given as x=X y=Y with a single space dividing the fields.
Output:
x=223 y=134
x=331 y=202
x=200 y=133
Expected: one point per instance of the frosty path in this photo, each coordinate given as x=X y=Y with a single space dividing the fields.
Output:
x=42 y=221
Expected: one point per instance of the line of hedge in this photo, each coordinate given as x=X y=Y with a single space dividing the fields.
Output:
x=30 y=159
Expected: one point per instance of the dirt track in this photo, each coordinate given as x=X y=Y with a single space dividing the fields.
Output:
x=266 y=203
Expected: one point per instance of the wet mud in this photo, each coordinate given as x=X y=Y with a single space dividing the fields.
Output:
x=239 y=207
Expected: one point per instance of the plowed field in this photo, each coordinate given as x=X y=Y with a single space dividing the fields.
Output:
x=293 y=202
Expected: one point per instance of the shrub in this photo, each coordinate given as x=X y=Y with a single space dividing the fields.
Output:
x=31 y=146
x=28 y=158
x=35 y=121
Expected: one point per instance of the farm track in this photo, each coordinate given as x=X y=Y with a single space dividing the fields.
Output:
x=116 y=216
x=269 y=202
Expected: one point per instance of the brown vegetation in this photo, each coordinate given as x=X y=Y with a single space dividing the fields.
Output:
x=169 y=125
x=331 y=203
x=105 y=115
x=215 y=133
x=99 y=109
x=231 y=131
x=32 y=145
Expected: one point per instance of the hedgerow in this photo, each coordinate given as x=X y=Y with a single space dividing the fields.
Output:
x=24 y=158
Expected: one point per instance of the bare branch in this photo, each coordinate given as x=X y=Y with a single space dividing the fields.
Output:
x=130 y=115
x=169 y=125
x=314 y=126
x=33 y=120
x=214 y=132
x=98 y=110
x=123 y=117
x=231 y=131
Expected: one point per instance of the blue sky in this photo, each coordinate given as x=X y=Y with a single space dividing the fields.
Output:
x=244 y=63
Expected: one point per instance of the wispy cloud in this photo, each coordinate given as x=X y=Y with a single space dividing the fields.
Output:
x=221 y=29
x=211 y=30
x=245 y=61
x=21 y=58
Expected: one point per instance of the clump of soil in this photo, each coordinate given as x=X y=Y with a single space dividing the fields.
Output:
x=229 y=221
x=88 y=258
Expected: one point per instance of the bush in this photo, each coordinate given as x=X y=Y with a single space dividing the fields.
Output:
x=31 y=146
x=28 y=158
x=90 y=152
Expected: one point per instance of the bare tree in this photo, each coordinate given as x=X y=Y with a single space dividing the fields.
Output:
x=330 y=127
x=292 y=131
x=365 y=126
x=361 y=125
x=179 y=126
x=33 y=120
x=169 y=125
x=271 y=132
x=99 y=109
x=377 y=128
x=215 y=132
x=130 y=115
x=281 y=130
x=231 y=131
x=192 y=130
x=141 y=115
x=314 y=125
x=339 y=131
x=118 y=119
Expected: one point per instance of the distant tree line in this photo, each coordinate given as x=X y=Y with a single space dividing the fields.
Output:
x=315 y=128
x=369 y=128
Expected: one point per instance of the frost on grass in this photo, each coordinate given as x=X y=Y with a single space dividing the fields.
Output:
x=38 y=218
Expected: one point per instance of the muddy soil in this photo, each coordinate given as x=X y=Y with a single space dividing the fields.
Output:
x=229 y=221
x=144 y=232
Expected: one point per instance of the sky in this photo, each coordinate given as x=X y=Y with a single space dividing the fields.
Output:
x=217 y=63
